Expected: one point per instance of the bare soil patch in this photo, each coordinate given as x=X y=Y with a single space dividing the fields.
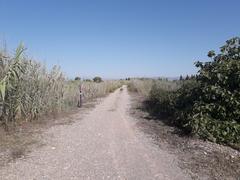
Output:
x=23 y=137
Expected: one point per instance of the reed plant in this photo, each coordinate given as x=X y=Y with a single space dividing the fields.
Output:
x=28 y=90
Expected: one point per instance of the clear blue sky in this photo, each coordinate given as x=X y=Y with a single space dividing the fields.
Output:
x=119 y=38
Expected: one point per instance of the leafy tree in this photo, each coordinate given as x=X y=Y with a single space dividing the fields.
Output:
x=211 y=108
x=97 y=79
x=211 y=54
x=87 y=80
x=218 y=106
x=209 y=103
x=181 y=78
x=77 y=78
x=192 y=77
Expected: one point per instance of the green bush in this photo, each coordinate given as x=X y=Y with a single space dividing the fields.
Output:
x=216 y=113
x=97 y=79
x=160 y=101
x=208 y=104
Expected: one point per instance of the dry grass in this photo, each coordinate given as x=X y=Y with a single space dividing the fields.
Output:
x=29 y=91
x=144 y=86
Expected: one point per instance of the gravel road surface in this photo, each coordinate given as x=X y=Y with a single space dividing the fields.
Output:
x=104 y=144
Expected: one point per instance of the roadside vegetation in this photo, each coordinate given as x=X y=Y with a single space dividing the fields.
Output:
x=28 y=90
x=206 y=104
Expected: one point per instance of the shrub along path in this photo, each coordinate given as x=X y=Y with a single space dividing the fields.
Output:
x=105 y=144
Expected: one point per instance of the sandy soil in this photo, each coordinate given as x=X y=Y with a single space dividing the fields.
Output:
x=103 y=144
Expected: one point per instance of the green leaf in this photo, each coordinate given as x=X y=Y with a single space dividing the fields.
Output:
x=3 y=88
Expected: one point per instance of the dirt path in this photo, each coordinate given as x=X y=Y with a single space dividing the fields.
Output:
x=105 y=144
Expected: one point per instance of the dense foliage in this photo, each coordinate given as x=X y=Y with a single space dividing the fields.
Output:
x=207 y=105
x=28 y=90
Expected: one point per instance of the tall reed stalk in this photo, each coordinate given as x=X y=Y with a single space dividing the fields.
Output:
x=28 y=90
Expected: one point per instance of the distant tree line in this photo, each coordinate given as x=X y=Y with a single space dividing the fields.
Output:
x=96 y=79
x=187 y=77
